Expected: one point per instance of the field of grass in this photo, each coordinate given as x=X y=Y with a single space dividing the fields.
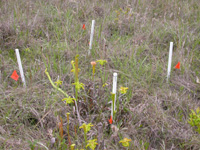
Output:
x=133 y=36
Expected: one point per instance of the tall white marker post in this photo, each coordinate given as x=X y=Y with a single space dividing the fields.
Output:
x=91 y=36
x=169 y=61
x=114 y=91
x=20 y=67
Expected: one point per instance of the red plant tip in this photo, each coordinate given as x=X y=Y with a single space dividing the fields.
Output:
x=83 y=27
x=14 y=75
x=110 y=120
x=178 y=66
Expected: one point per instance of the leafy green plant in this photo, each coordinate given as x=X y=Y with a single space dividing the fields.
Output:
x=86 y=128
x=103 y=75
x=113 y=104
x=125 y=142
x=123 y=90
x=58 y=83
x=92 y=144
x=72 y=146
x=194 y=119
x=69 y=100
x=56 y=87
x=76 y=70
x=32 y=145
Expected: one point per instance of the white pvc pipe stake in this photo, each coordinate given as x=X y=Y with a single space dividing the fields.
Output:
x=169 y=61
x=91 y=35
x=114 y=91
x=20 y=67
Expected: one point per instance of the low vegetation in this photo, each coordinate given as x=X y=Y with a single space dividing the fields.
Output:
x=67 y=101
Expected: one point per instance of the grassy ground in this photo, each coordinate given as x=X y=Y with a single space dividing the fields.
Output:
x=133 y=36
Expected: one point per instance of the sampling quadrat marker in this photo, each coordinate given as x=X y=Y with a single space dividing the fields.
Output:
x=83 y=27
x=14 y=75
x=169 y=61
x=91 y=36
x=20 y=67
x=178 y=65
x=114 y=91
x=110 y=120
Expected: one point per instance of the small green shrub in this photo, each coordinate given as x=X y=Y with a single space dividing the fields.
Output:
x=194 y=119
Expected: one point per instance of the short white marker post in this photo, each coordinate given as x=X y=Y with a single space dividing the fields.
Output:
x=114 y=91
x=169 y=61
x=91 y=36
x=20 y=67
